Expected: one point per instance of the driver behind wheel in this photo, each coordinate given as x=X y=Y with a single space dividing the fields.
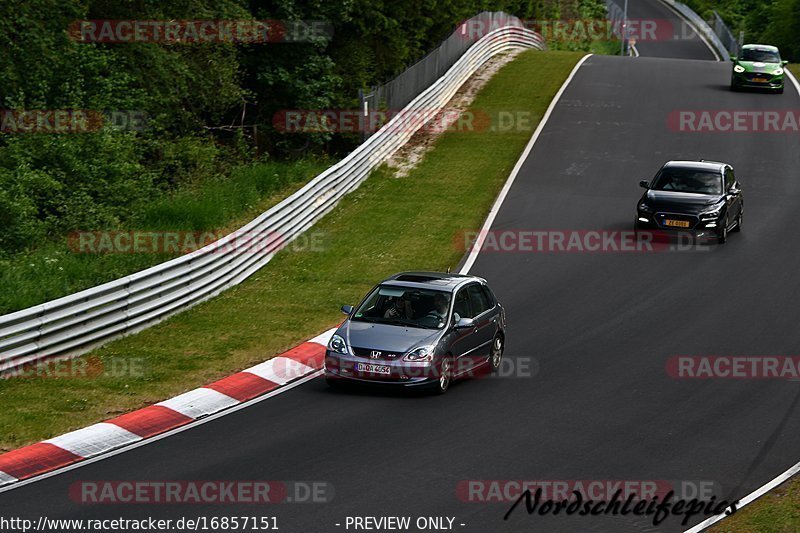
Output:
x=439 y=311
x=400 y=308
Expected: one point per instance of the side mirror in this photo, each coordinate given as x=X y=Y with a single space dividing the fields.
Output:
x=784 y=62
x=733 y=58
x=733 y=191
x=465 y=323
x=644 y=184
x=347 y=309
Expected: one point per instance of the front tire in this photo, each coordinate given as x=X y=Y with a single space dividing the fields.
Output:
x=722 y=236
x=445 y=376
x=496 y=355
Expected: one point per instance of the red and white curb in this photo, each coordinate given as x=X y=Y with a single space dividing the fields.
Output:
x=73 y=447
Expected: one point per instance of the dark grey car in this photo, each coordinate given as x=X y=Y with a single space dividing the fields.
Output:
x=418 y=329
x=700 y=197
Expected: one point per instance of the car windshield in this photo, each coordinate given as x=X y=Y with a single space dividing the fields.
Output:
x=764 y=56
x=690 y=180
x=403 y=306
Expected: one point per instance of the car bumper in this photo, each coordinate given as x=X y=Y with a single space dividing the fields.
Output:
x=341 y=367
x=701 y=229
x=773 y=82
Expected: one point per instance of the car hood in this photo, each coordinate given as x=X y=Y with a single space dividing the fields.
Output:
x=385 y=337
x=680 y=202
x=757 y=66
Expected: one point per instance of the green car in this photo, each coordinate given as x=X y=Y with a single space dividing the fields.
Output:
x=758 y=66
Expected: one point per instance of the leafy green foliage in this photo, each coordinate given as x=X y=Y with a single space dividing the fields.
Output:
x=208 y=107
x=775 y=22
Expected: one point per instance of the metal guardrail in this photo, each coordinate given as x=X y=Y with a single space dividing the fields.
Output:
x=79 y=322
x=725 y=35
x=719 y=36
x=398 y=92
x=712 y=35
x=701 y=26
x=616 y=16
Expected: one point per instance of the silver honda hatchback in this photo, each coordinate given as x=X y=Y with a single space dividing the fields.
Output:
x=418 y=329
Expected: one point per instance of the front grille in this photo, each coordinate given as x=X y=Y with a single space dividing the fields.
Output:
x=367 y=352
x=751 y=75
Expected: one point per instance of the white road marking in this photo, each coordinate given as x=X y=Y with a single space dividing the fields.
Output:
x=747 y=499
x=781 y=478
x=487 y=225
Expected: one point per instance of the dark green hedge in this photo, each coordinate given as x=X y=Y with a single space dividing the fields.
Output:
x=54 y=183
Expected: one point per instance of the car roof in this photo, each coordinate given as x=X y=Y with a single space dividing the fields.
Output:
x=700 y=164
x=430 y=280
x=760 y=47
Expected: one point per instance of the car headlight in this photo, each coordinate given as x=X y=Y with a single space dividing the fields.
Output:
x=778 y=71
x=421 y=354
x=337 y=344
x=645 y=208
x=710 y=215
x=738 y=68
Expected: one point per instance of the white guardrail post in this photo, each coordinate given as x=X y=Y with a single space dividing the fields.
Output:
x=74 y=324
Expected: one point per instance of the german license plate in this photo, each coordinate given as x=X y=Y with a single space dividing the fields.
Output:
x=759 y=80
x=676 y=223
x=373 y=369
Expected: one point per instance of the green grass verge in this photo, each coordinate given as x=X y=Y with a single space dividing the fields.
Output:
x=609 y=47
x=778 y=511
x=605 y=47
x=52 y=269
x=389 y=224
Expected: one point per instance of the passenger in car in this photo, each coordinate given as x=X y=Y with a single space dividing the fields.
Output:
x=400 y=308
